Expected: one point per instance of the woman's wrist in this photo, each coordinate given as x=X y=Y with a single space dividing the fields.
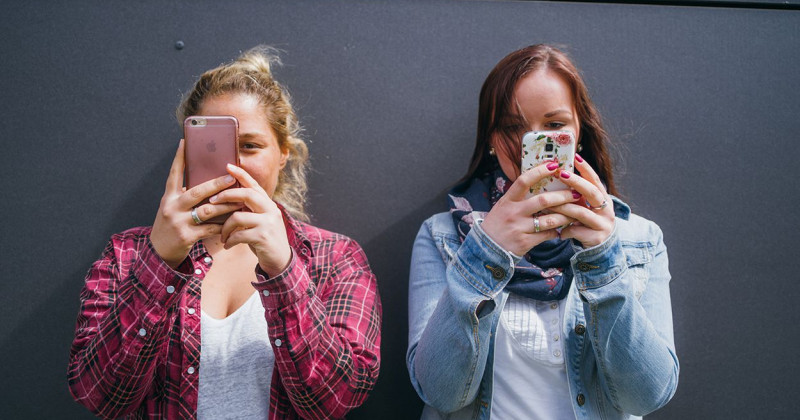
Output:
x=274 y=267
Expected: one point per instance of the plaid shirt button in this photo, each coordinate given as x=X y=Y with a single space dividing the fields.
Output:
x=198 y=271
x=190 y=370
x=265 y=293
x=170 y=289
x=142 y=332
x=278 y=342
x=207 y=260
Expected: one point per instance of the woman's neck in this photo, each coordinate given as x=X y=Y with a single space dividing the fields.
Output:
x=216 y=248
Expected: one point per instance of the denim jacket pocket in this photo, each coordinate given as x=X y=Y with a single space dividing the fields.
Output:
x=638 y=255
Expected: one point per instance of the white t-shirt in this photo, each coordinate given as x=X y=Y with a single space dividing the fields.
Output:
x=236 y=363
x=530 y=378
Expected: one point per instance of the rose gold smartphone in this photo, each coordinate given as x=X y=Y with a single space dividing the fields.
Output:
x=211 y=143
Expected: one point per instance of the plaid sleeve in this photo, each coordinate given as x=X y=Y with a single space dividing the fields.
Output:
x=121 y=328
x=324 y=326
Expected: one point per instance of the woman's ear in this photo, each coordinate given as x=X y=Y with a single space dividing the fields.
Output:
x=492 y=145
x=284 y=156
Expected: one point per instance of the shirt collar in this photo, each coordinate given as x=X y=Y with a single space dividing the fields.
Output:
x=295 y=232
x=621 y=210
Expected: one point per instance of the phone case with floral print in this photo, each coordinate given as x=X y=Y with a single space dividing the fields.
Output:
x=548 y=146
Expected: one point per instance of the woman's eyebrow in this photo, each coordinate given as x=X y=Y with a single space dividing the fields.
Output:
x=249 y=136
x=556 y=112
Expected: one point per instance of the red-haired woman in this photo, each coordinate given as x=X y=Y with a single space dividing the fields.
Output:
x=511 y=316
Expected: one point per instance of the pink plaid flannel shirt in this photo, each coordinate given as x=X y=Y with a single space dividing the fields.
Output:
x=136 y=350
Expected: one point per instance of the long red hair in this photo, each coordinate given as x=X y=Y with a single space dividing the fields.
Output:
x=496 y=100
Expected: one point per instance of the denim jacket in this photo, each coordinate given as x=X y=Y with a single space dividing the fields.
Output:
x=619 y=350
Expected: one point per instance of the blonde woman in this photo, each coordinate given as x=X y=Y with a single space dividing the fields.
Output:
x=264 y=316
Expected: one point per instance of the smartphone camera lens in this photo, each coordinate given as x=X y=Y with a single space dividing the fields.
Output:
x=194 y=122
x=548 y=147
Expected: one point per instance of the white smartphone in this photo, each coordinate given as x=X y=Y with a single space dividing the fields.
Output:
x=548 y=146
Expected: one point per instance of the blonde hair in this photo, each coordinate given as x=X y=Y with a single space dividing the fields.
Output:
x=251 y=74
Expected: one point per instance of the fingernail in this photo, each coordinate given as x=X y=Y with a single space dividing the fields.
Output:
x=228 y=179
x=231 y=166
x=564 y=175
x=213 y=199
x=578 y=158
x=552 y=166
x=576 y=195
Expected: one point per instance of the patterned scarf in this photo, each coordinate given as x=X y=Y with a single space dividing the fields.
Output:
x=544 y=273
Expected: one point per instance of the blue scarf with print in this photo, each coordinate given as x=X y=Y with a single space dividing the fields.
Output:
x=544 y=273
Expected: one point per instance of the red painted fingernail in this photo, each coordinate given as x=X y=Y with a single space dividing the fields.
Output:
x=578 y=158
x=564 y=175
x=576 y=195
x=552 y=166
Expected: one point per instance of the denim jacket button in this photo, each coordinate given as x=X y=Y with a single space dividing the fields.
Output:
x=584 y=266
x=580 y=329
x=581 y=400
x=497 y=272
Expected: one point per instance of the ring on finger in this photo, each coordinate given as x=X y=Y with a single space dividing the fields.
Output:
x=536 y=226
x=195 y=217
x=600 y=207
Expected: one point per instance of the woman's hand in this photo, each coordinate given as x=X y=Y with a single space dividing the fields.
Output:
x=594 y=215
x=174 y=231
x=261 y=228
x=511 y=222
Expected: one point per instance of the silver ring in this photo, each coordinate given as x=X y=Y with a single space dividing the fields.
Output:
x=195 y=217
x=535 y=224
x=600 y=207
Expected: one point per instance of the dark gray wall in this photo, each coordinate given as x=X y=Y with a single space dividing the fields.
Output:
x=702 y=103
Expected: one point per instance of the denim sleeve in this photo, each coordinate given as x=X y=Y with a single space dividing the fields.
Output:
x=448 y=339
x=630 y=328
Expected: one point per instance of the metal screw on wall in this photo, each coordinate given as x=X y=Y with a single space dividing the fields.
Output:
x=179 y=45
